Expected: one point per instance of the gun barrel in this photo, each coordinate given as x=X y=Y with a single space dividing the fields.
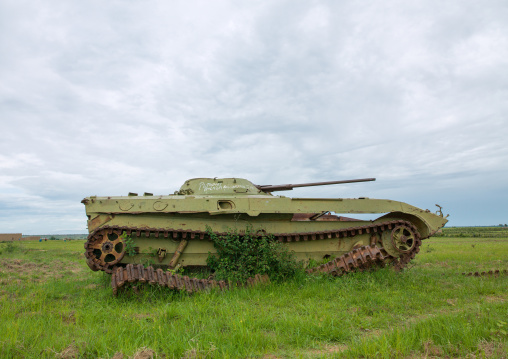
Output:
x=288 y=187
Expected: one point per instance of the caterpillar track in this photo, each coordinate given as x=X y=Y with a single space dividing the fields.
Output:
x=367 y=257
x=133 y=274
x=491 y=273
x=103 y=243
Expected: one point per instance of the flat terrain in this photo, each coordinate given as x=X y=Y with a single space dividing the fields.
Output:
x=52 y=305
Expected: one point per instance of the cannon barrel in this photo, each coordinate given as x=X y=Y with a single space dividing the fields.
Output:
x=289 y=187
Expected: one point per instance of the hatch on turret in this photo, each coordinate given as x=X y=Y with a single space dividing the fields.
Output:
x=218 y=186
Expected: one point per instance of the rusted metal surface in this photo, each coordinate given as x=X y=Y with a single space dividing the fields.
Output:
x=367 y=257
x=105 y=250
x=134 y=273
x=493 y=273
x=358 y=259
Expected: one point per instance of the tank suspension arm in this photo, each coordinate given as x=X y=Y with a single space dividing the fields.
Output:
x=178 y=253
x=289 y=187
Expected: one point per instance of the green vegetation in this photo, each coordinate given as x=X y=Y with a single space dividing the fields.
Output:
x=475 y=232
x=52 y=305
x=130 y=246
x=242 y=256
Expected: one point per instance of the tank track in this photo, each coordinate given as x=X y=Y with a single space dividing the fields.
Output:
x=367 y=257
x=137 y=273
x=494 y=273
x=361 y=258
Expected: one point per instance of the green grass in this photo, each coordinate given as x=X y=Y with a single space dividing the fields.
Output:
x=52 y=305
x=475 y=232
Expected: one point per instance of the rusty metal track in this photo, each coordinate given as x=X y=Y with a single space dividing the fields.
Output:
x=494 y=273
x=361 y=258
x=137 y=273
x=368 y=257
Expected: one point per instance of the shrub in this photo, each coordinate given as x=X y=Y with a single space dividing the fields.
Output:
x=243 y=255
x=10 y=247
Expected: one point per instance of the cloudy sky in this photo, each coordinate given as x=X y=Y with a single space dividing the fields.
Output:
x=103 y=98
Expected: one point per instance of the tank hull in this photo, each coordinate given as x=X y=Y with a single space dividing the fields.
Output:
x=158 y=225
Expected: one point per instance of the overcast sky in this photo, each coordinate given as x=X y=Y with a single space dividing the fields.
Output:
x=103 y=98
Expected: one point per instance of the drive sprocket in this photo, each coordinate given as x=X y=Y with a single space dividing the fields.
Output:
x=105 y=250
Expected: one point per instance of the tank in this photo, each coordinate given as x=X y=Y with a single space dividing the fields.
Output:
x=170 y=231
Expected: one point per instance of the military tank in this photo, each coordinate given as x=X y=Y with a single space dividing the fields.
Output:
x=127 y=233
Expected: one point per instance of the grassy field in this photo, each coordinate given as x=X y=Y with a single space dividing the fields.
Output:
x=475 y=232
x=52 y=305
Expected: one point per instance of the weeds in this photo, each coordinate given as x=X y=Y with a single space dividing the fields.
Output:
x=240 y=256
x=11 y=247
x=130 y=247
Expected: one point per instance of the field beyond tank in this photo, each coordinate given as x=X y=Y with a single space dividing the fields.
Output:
x=52 y=305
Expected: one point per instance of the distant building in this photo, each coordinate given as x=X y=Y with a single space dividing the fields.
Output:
x=10 y=237
x=31 y=238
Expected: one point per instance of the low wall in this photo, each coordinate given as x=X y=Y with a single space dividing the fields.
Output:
x=31 y=238
x=10 y=237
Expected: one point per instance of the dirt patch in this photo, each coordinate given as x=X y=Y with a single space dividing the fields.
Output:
x=71 y=352
x=329 y=349
x=17 y=265
x=69 y=318
x=492 y=299
x=37 y=272
x=485 y=350
x=432 y=350
x=144 y=353
x=452 y=302
x=196 y=353
x=489 y=350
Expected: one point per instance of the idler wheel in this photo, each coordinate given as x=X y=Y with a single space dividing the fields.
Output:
x=403 y=239
x=108 y=251
x=400 y=240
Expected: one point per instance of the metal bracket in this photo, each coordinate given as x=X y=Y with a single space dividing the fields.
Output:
x=316 y=216
x=439 y=211
x=178 y=253
x=161 y=252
